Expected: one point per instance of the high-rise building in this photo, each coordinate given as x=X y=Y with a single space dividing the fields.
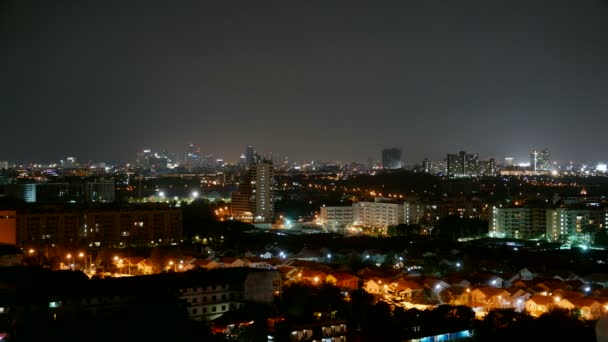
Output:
x=487 y=167
x=518 y=222
x=391 y=158
x=8 y=227
x=573 y=224
x=249 y=155
x=509 y=161
x=3 y=164
x=253 y=200
x=25 y=192
x=540 y=160
x=101 y=191
x=192 y=156
x=463 y=165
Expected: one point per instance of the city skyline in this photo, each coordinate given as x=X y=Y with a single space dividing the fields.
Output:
x=312 y=81
x=179 y=156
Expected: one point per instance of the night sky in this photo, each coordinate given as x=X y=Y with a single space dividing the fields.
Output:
x=322 y=80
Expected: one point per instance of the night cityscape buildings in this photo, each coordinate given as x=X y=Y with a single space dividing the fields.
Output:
x=422 y=171
x=391 y=158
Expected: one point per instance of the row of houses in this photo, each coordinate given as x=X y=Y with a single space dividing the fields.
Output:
x=522 y=291
x=145 y=266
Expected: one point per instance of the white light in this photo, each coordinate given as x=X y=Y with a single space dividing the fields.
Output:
x=194 y=194
x=161 y=194
x=457 y=264
x=601 y=167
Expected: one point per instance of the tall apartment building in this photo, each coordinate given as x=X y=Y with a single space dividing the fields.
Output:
x=468 y=165
x=101 y=191
x=391 y=159
x=540 y=160
x=8 y=227
x=462 y=164
x=518 y=222
x=573 y=224
x=253 y=201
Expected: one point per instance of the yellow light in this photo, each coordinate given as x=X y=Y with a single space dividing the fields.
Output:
x=31 y=251
x=80 y=254
x=69 y=256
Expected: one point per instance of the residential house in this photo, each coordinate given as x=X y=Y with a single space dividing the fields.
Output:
x=434 y=285
x=288 y=273
x=343 y=280
x=312 y=277
x=227 y=262
x=377 y=286
x=526 y=274
x=457 y=280
x=518 y=298
x=589 y=307
x=309 y=255
x=206 y=264
x=538 y=305
x=564 y=275
x=509 y=279
x=256 y=262
x=600 y=279
x=144 y=267
x=405 y=289
x=489 y=298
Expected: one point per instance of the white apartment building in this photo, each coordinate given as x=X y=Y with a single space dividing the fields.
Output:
x=377 y=214
x=334 y=217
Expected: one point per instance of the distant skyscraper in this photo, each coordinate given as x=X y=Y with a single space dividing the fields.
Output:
x=3 y=164
x=391 y=159
x=540 y=160
x=463 y=165
x=253 y=200
x=508 y=161
x=192 y=157
x=249 y=155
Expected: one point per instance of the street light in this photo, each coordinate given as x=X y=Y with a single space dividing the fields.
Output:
x=81 y=256
x=68 y=257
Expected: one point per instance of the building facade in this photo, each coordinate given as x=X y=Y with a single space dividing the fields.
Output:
x=254 y=199
x=377 y=214
x=570 y=224
x=540 y=160
x=108 y=228
x=391 y=159
x=518 y=222
x=336 y=217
